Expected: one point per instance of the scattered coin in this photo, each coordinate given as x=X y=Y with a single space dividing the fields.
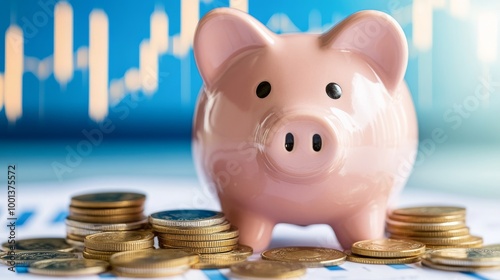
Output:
x=119 y=241
x=108 y=200
x=465 y=257
x=308 y=256
x=430 y=264
x=152 y=263
x=25 y=258
x=371 y=260
x=241 y=252
x=268 y=269
x=388 y=248
x=39 y=244
x=492 y=247
x=215 y=264
x=187 y=218
x=68 y=267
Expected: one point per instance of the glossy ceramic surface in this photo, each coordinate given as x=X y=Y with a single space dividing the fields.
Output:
x=276 y=142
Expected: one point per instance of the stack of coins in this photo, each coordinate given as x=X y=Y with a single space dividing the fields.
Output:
x=101 y=212
x=200 y=231
x=385 y=251
x=103 y=245
x=437 y=227
x=308 y=256
x=463 y=259
x=152 y=263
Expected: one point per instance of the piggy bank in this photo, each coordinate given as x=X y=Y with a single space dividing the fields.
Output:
x=303 y=128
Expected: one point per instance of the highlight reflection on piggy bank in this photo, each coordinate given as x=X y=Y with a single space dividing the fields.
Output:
x=303 y=129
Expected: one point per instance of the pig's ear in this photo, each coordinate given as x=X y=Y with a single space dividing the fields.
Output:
x=223 y=34
x=377 y=37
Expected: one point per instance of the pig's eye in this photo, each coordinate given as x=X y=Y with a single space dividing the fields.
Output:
x=263 y=89
x=333 y=90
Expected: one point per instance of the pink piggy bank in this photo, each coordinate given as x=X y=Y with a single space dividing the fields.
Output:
x=303 y=129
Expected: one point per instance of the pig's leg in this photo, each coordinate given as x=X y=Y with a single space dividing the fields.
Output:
x=368 y=223
x=255 y=229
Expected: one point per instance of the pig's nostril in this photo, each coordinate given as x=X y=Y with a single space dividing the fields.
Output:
x=289 y=142
x=317 y=142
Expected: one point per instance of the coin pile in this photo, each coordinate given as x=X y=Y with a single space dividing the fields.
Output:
x=101 y=212
x=437 y=227
x=205 y=232
x=308 y=256
x=463 y=259
x=152 y=263
x=385 y=251
x=103 y=245
x=68 y=267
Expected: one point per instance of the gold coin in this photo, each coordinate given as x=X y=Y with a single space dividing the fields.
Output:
x=102 y=257
x=427 y=219
x=38 y=244
x=148 y=273
x=206 y=250
x=425 y=226
x=108 y=200
x=370 y=260
x=472 y=242
x=388 y=248
x=430 y=211
x=80 y=231
x=108 y=226
x=308 y=256
x=153 y=259
x=215 y=264
x=269 y=269
x=68 y=267
x=492 y=247
x=105 y=211
x=192 y=230
x=75 y=243
x=119 y=240
x=239 y=253
x=465 y=257
x=411 y=233
x=108 y=219
x=232 y=233
x=187 y=218
x=97 y=252
x=436 y=240
x=75 y=237
x=25 y=258
x=430 y=264
x=198 y=244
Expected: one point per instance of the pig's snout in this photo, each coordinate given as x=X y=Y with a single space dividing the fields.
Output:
x=300 y=146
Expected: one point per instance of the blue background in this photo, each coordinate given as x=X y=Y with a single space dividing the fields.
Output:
x=54 y=122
